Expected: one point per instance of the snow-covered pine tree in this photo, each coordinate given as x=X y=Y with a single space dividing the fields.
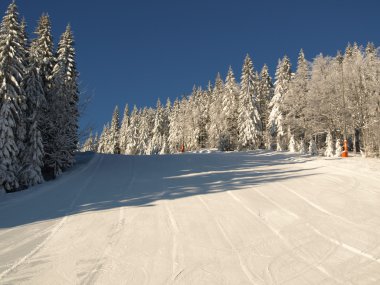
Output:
x=102 y=144
x=88 y=144
x=249 y=124
x=230 y=110
x=265 y=95
x=329 y=152
x=201 y=117
x=338 y=148
x=42 y=50
x=292 y=144
x=32 y=156
x=158 y=130
x=62 y=129
x=124 y=131
x=114 y=141
x=175 y=130
x=67 y=62
x=146 y=120
x=295 y=100
x=95 y=143
x=166 y=126
x=133 y=133
x=216 y=113
x=302 y=147
x=275 y=121
x=12 y=97
x=313 y=148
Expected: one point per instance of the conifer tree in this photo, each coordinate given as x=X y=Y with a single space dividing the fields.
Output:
x=146 y=119
x=275 y=121
x=124 y=130
x=42 y=50
x=329 y=152
x=338 y=148
x=158 y=130
x=66 y=61
x=249 y=124
x=295 y=100
x=175 y=130
x=230 y=110
x=313 y=148
x=63 y=111
x=114 y=143
x=32 y=157
x=12 y=97
x=265 y=96
x=292 y=144
x=133 y=133
x=216 y=114
x=302 y=147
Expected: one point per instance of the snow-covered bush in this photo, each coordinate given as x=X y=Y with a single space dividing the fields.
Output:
x=292 y=144
x=302 y=147
x=224 y=143
x=338 y=148
x=329 y=152
x=313 y=148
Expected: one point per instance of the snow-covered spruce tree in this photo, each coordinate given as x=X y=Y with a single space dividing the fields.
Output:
x=338 y=148
x=114 y=146
x=175 y=129
x=61 y=131
x=12 y=97
x=292 y=144
x=370 y=130
x=158 y=130
x=103 y=140
x=313 y=148
x=249 y=124
x=42 y=50
x=329 y=152
x=190 y=120
x=32 y=156
x=295 y=99
x=166 y=122
x=133 y=133
x=201 y=117
x=230 y=110
x=124 y=131
x=302 y=147
x=193 y=117
x=146 y=121
x=275 y=121
x=66 y=59
x=216 y=113
x=265 y=95
x=88 y=144
x=95 y=143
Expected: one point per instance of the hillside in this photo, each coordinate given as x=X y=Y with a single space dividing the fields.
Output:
x=211 y=218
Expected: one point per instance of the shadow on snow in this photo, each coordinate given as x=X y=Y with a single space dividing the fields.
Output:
x=105 y=182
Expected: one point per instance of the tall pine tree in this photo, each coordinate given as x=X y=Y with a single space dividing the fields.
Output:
x=12 y=97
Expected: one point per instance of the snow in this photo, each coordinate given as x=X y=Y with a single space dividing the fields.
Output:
x=208 y=218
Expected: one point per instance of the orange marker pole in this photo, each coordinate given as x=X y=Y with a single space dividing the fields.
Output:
x=345 y=152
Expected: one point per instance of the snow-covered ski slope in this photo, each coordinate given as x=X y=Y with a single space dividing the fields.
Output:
x=218 y=218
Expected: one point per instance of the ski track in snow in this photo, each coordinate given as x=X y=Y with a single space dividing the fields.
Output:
x=55 y=230
x=164 y=213
x=93 y=274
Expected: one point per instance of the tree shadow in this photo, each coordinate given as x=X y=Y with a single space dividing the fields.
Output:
x=104 y=182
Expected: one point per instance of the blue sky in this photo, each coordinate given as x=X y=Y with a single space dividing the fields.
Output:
x=138 y=51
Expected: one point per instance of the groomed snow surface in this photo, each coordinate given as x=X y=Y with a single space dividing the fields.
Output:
x=209 y=218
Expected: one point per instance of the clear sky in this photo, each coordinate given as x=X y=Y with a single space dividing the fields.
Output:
x=138 y=51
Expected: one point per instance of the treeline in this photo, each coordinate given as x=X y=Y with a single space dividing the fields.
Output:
x=38 y=103
x=310 y=110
